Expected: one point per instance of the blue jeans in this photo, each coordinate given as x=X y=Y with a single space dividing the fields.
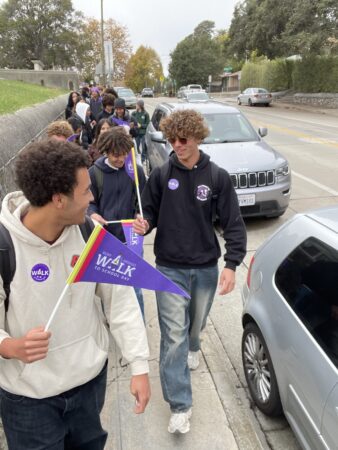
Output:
x=181 y=321
x=68 y=421
x=140 y=141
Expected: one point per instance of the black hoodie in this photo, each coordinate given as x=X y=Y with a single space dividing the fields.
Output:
x=181 y=210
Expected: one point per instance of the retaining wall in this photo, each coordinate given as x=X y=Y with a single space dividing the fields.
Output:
x=19 y=129
x=321 y=100
x=48 y=78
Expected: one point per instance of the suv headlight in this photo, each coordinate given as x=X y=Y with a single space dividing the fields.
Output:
x=283 y=171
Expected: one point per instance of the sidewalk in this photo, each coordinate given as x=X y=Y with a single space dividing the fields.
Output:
x=222 y=418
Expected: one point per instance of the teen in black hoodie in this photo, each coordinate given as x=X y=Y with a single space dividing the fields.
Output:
x=177 y=200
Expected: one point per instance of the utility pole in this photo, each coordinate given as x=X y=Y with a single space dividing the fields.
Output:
x=102 y=49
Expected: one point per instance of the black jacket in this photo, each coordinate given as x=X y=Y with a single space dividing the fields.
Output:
x=118 y=198
x=181 y=210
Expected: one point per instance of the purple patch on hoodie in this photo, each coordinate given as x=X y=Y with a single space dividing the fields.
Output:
x=40 y=272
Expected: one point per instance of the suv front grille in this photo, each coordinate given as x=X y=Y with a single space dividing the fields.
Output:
x=253 y=179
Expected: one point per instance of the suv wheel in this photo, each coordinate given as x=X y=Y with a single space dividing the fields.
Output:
x=259 y=371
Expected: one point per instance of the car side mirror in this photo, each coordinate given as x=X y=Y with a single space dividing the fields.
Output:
x=262 y=131
x=157 y=136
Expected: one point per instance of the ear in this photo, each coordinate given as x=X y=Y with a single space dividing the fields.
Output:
x=59 y=201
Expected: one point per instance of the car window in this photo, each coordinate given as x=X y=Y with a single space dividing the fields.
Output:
x=197 y=96
x=157 y=116
x=126 y=93
x=228 y=128
x=308 y=281
x=262 y=91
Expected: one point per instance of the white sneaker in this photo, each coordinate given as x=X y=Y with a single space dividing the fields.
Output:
x=193 y=360
x=179 y=422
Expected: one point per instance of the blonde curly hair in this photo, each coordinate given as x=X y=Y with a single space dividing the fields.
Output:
x=59 y=128
x=185 y=123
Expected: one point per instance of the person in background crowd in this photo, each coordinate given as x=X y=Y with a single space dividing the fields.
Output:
x=85 y=94
x=111 y=91
x=53 y=383
x=103 y=126
x=83 y=113
x=73 y=99
x=121 y=117
x=108 y=101
x=113 y=190
x=95 y=103
x=142 y=118
x=60 y=130
x=180 y=200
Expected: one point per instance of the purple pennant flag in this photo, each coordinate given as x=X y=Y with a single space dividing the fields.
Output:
x=134 y=240
x=110 y=261
x=120 y=122
x=73 y=137
x=129 y=167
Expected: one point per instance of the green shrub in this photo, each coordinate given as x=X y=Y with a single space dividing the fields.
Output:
x=316 y=74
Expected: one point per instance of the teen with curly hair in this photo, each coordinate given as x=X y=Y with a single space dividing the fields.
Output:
x=179 y=199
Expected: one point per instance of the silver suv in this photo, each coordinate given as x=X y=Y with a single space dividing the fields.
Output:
x=290 y=320
x=261 y=175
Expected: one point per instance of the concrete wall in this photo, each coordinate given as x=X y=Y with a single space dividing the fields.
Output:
x=48 y=78
x=21 y=128
x=321 y=100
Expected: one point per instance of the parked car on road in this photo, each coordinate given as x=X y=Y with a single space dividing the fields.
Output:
x=290 y=320
x=254 y=96
x=261 y=175
x=128 y=96
x=181 y=91
x=147 y=92
x=196 y=87
x=195 y=96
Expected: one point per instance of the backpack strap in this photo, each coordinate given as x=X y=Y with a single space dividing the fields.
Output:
x=7 y=261
x=215 y=189
x=164 y=174
x=99 y=180
x=87 y=228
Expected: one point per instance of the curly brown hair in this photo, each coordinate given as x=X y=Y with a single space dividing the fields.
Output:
x=185 y=123
x=49 y=167
x=115 y=141
x=59 y=128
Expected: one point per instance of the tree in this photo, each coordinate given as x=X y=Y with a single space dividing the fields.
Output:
x=197 y=56
x=144 y=68
x=283 y=28
x=38 y=29
x=91 y=55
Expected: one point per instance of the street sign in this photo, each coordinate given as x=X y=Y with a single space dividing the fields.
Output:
x=227 y=69
x=209 y=79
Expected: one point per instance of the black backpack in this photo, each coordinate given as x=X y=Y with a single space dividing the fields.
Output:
x=164 y=177
x=7 y=255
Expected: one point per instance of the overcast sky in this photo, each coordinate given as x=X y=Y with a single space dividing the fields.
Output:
x=160 y=24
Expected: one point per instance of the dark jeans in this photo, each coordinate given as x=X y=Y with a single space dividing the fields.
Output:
x=68 y=421
x=140 y=141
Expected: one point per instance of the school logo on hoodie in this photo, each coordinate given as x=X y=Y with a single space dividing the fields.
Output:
x=40 y=272
x=203 y=192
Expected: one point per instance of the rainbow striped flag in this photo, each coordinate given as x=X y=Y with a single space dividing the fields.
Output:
x=105 y=259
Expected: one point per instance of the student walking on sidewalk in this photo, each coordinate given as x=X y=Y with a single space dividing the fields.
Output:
x=179 y=200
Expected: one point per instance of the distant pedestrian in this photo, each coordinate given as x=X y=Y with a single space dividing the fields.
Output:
x=142 y=118
x=73 y=98
x=103 y=126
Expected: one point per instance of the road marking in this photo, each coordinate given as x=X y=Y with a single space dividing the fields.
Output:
x=299 y=135
x=315 y=183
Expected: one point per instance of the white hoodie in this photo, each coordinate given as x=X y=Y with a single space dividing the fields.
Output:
x=79 y=343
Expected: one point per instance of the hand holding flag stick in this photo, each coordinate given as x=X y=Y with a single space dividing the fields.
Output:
x=131 y=169
x=105 y=259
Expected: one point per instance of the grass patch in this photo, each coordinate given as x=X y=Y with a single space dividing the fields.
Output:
x=17 y=94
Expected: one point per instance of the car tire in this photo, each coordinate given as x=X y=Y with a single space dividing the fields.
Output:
x=259 y=371
x=267 y=104
x=250 y=102
x=239 y=102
